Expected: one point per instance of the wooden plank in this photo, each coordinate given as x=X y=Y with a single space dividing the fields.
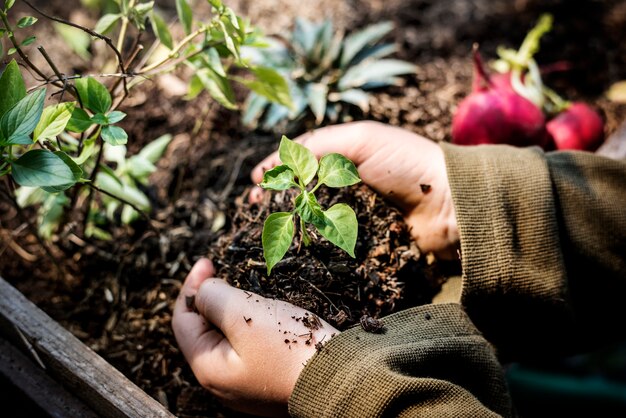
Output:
x=40 y=388
x=83 y=372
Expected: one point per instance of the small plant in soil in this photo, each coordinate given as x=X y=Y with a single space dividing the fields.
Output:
x=338 y=224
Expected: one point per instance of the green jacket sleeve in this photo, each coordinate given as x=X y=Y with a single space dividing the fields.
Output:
x=543 y=247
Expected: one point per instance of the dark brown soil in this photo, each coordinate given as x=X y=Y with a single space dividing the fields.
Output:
x=117 y=296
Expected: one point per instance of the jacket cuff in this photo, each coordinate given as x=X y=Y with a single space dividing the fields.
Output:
x=514 y=282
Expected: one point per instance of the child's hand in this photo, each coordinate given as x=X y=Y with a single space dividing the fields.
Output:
x=246 y=350
x=405 y=168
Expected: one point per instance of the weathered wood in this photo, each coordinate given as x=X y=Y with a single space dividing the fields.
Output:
x=40 y=388
x=83 y=372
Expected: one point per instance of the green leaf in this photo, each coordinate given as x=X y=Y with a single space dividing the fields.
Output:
x=308 y=208
x=337 y=171
x=355 y=42
x=79 y=122
x=140 y=169
x=161 y=30
x=11 y=51
x=278 y=178
x=22 y=118
x=299 y=158
x=8 y=4
x=185 y=14
x=100 y=119
x=269 y=84
x=276 y=238
x=115 y=116
x=26 y=21
x=18 y=140
x=369 y=72
x=216 y=3
x=125 y=191
x=254 y=107
x=53 y=121
x=218 y=87
x=28 y=40
x=12 y=87
x=339 y=226
x=317 y=97
x=41 y=168
x=106 y=23
x=94 y=95
x=114 y=135
x=155 y=149
x=77 y=173
x=230 y=44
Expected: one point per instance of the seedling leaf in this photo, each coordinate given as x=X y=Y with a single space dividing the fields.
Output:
x=277 y=236
x=278 y=178
x=337 y=171
x=339 y=226
x=299 y=158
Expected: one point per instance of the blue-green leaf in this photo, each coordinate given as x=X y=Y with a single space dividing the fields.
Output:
x=114 y=135
x=276 y=238
x=115 y=116
x=368 y=72
x=93 y=94
x=77 y=173
x=299 y=158
x=41 y=168
x=22 y=118
x=355 y=42
x=318 y=97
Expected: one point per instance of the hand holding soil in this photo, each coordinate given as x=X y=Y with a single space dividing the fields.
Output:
x=247 y=350
x=407 y=169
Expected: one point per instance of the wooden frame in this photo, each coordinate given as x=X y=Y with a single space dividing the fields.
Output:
x=78 y=371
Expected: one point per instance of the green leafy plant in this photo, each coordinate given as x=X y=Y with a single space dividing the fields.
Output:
x=338 y=224
x=329 y=74
x=77 y=141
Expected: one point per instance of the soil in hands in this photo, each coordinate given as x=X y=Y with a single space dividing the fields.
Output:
x=387 y=274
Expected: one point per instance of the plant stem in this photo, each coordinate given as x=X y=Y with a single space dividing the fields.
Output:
x=306 y=238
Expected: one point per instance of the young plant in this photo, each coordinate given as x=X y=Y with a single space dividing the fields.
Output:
x=329 y=74
x=338 y=224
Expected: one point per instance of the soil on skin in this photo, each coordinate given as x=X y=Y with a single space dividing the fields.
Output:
x=117 y=296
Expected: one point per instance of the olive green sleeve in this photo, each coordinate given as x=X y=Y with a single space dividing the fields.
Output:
x=429 y=361
x=543 y=246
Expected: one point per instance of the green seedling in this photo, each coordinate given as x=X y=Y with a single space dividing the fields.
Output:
x=338 y=224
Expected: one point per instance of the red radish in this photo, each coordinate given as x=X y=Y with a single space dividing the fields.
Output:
x=495 y=114
x=579 y=127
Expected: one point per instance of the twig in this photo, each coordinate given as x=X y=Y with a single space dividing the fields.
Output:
x=126 y=202
x=106 y=39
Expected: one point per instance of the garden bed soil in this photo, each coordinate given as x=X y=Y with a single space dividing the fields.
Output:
x=117 y=296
